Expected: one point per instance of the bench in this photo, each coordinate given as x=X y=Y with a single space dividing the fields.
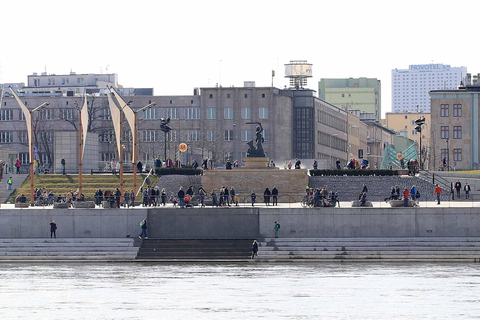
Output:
x=399 y=203
x=22 y=205
x=83 y=204
x=358 y=203
x=60 y=205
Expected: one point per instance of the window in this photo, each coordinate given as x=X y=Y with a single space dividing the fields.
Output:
x=149 y=135
x=46 y=136
x=457 y=110
x=23 y=156
x=211 y=113
x=172 y=136
x=23 y=136
x=368 y=149
x=457 y=132
x=211 y=136
x=246 y=113
x=413 y=122
x=368 y=134
x=211 y=96
x=6 y=115
x=105 y=114
x=192 y=113
x=265 y=134
x=444 y=110
x=150 y=114
x=171 y=113
x=66 y=114
x=51 y=81
x=6 y=137
x=192 y=135
x=106 y=136
x=246 y=135
x=263 y=113
x=263 y=95
x=228 y=135
x=246 y=96
x=444 y=132
x=21 y=116
x=228 y=113
x=49 y=114
x=228 y=95
x=457 y=154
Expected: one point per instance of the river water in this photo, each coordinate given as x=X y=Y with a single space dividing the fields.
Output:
x=239 y=291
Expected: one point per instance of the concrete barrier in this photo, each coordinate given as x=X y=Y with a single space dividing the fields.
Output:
x=243 y=223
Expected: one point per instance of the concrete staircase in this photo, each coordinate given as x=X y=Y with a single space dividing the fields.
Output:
x=195 y=250
x=172 y=183
x=17 y=180
x=98 y=249
x=371 y=249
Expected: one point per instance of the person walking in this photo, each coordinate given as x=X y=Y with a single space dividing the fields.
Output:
x=63 y=162
x=276 y=228
x=126 y=199
x=254 y=249
x=413 y=193
x=9 y=183
x=202 y=193
x=232 y=195
x=18 y=164
x=406 y=195
x=113 y=166
x=164 y=197
x=132 y=198
x=438 y=192
x=458 y=187
x=53 y=229
x=266 y=196
x=467 y=190
x=254 y=198
x=214 y=198
x=275 y=196
x=143 y=225
x=181 y=197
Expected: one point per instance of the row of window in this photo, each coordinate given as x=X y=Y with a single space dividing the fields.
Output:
x=64 y=114
x=245 y=95
x=445 y=110
x=445 y=132
x=457 y=154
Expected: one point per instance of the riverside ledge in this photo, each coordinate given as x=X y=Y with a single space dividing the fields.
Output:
x=243 y=222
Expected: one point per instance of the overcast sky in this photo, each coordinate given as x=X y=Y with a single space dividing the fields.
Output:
x=175 y=46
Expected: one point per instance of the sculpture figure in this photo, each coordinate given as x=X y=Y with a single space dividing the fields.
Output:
x=256 y=148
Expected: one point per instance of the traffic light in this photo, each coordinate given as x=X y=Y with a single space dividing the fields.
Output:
x=420 y=121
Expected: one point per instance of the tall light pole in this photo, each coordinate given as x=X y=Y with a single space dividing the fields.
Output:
x=166 y=129
x=448 y=156
x=419 y=123
x=135 y=144
x=332 y=135
x=348 y=141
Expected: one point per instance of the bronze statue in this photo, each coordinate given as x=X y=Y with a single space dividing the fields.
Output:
x=256 y=150
x=2 y=165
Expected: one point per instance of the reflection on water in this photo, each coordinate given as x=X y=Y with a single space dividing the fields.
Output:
x=239 y=291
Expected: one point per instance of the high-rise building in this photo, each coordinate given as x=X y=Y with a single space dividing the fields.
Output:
x=410 y=87
x=362 y=94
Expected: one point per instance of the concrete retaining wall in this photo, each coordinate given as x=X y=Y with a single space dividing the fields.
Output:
x=243 y=223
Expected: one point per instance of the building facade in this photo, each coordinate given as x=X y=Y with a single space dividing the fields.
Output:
x=410 y=86
x=362 y=94
x=455 y=128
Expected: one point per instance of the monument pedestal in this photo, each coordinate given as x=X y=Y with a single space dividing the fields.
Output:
x=256 y=163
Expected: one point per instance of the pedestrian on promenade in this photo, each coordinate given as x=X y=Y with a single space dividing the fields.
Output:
x=315 y=164
x=202 y=193
x=275 y=196
x=53 y=229
x=143 y=225
x=438 y=192
x=132 y=198
x=364 y=188
x=63 y=162
x=297 y=163
x=266 y=196
x=254 y=197
x=164 y=197
x=181 y=197
x=126 y=199
x=413 y=193
x=113 y=166
x=276 y=228
x=406 y=195
x=467 y=190
x=214 y=198
x=9 y=183
x=232 y=195
x=18 y=164
x=254 y=248
x=458 y=187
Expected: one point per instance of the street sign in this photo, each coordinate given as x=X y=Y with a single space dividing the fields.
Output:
x=182 y=147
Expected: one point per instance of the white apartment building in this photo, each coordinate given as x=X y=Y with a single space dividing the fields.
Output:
x=410 y=87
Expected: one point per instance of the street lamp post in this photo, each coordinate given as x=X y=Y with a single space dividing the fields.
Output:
x=332 y=135
x=166 y=129
x=348 y=141
x=448 y=156
x=419 y=123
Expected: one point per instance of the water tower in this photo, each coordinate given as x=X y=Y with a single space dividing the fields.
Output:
x=298 y=71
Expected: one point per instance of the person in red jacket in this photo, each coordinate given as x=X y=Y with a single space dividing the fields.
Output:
x=406 y=195
x=438 y=192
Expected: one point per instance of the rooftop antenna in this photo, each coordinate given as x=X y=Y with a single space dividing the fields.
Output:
x=220 y=74
x=298 y=71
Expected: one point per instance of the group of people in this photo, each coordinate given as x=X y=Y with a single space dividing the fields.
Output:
x=297 y=164
x=466 y=189
x=321 y=197
x=267 y=196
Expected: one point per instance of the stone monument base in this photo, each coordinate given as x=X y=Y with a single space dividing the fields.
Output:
x=256 y=163
x=290 y=183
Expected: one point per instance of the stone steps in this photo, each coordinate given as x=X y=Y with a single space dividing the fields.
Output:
x=394 y=249
x=204 y=250
x=68 y=249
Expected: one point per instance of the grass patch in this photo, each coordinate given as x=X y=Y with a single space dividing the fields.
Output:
x=61 y=184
